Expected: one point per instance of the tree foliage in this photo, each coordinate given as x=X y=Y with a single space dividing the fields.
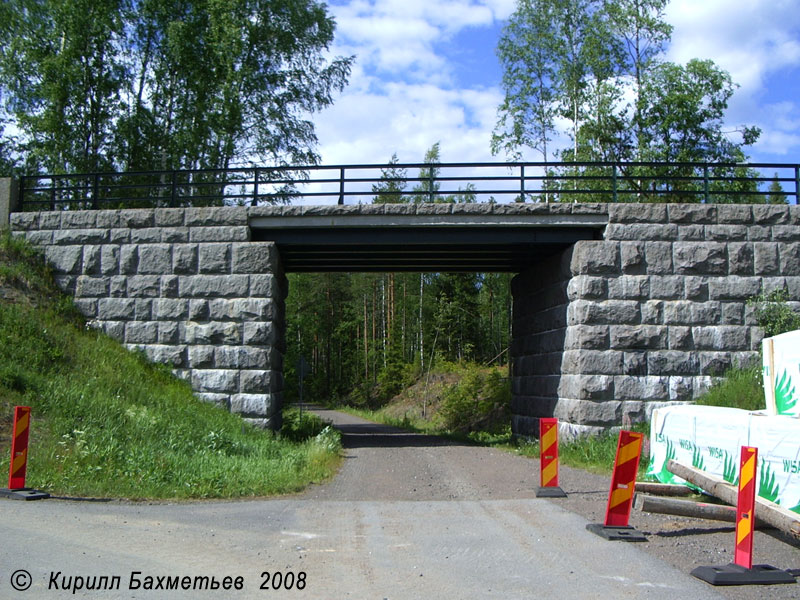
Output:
x=773 y=313
x=8 y=163
x=682 y=114
x=389 y=190
x=527 y=114
x=593 y=71
x=165 y=84
x=776 y=193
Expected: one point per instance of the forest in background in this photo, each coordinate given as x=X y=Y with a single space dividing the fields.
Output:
x=365 y=336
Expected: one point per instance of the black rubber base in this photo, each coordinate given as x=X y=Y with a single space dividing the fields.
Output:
x=734 y=574
x=616 y=534
x=23 y=494
x=550 y=492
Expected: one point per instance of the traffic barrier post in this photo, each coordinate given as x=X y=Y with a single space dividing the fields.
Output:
x=18 y=465
x=19 y=448
x=620 y=496
x=548 y=460
x=742 y=571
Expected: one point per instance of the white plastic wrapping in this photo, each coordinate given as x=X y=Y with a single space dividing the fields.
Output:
x=710 y=438
x=781 y=356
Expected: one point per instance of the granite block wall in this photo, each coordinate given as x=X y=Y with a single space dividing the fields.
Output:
x=653 y=311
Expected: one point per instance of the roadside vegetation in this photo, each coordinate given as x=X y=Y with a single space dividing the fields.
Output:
x=743 y=387
x=739 y=388
x=108 y=423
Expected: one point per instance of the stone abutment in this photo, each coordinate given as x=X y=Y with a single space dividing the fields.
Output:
x=648 y=315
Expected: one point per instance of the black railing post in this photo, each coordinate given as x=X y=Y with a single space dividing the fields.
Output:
x=341 y=185
x=796 y=184
x=52 y=193
x=95 y=191
x=522 y=183
x=614 y=181
x=21 y=194
x=705 y=183
x=173 y=188
x=254 y=202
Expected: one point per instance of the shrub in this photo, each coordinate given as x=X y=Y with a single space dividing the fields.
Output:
x=481 y=400
x=299 y=427
x=773 y=313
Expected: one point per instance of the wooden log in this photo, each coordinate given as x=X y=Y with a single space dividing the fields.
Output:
x=766 y=512
x=685 y=508
x=663 y=489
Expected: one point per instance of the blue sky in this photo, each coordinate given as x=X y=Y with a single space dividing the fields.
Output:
x=426 y=71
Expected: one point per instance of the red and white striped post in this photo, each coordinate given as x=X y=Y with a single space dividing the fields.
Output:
x=745 y=508
x=19 y=448
x=623 y=480
x=18 y=465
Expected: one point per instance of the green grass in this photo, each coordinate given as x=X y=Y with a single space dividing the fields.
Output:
x=108 y=423
x=593 y=453
x=740 y=388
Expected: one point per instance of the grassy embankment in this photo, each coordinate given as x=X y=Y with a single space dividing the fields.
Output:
x=107 y=422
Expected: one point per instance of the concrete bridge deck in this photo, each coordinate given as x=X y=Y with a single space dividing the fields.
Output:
x=409 y=237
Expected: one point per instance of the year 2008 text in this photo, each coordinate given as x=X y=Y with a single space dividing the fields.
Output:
x=286 y=581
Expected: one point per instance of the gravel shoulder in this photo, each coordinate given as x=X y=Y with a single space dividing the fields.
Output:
x=383 y=463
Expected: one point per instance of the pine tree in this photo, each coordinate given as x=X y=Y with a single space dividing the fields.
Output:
x=392 y=184
x=776 y=194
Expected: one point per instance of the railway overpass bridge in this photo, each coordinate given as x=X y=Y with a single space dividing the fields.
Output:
x=618 y=307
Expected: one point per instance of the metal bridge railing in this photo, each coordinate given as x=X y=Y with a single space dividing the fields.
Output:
x=415 y=182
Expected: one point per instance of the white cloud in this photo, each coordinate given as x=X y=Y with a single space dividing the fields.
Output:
x=405 y=94
x=400 y=36
x=750 y=38
x=408 y=119
x=780 y=124
x=758 y=43
x=780 y=143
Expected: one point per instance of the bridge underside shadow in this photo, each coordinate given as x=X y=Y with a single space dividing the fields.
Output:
x=539 y=253
x=413 y=249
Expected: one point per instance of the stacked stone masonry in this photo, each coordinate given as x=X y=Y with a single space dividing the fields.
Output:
x=654 y=311
x=186 y=287
x=646 y=314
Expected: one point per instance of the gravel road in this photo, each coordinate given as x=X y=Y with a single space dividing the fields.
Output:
x=429 y=468
x=408 y=517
